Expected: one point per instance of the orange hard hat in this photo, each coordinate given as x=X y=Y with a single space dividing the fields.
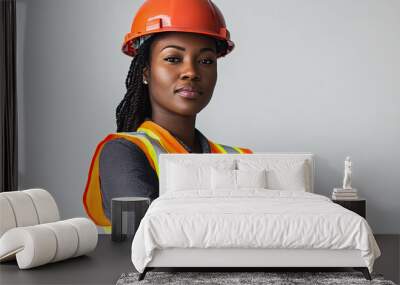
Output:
x=193 y=16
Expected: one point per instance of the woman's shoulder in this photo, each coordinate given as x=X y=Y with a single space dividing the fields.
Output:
x=121 y=141
x=118 y=142
x=120 y=148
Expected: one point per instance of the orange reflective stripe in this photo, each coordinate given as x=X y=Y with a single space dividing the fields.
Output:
x=242 y=150
x=214 y=147
x=170 y=143
x=217 y=148
x=92 y=199
x=220 y=148
x=94 y=212
x=245 y=150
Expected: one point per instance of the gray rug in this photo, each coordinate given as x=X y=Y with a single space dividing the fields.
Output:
x=229 y=278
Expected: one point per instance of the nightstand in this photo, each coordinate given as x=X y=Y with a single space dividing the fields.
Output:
x=358 y=206
x=126 y=214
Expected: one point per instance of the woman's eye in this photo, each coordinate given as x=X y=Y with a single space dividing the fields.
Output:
x=207 y=61
x=172 y=59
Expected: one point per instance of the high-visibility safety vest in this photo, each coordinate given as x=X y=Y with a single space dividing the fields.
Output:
x=153 y=140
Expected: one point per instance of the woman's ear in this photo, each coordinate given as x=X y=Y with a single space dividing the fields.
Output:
x=146 y=74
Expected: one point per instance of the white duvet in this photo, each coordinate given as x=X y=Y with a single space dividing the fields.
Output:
x=250 y=218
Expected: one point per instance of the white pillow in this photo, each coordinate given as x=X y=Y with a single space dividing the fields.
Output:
x=181 y=177
x=251 y=178
x=282 y=174
x=186 y=174
x=223 y=179
x=236 y=179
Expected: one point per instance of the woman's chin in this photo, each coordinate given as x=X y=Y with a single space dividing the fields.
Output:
x=187 y=110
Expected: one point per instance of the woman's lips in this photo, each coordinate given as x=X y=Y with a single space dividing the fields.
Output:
x=188 y=94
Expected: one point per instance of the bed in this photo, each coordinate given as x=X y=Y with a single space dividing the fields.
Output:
x=248 y=210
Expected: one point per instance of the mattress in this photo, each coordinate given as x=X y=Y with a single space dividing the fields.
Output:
x=251 y=219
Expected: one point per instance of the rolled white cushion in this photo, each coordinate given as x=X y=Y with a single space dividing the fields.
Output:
x=33 y=245
x=46 y=207
x=7 y=218
x=26 y=208
x=40 y=244
x=23 y=208
x=67 y=239
x=87 y=233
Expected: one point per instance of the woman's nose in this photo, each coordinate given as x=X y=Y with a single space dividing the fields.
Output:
x=190 y=71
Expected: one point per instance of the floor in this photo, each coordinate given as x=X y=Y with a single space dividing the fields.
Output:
x=102 y=266
x=110 y=260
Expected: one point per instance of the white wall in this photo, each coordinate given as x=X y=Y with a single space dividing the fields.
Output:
x=309 y=75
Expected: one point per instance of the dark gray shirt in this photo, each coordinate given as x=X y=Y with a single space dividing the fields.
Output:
x=125 y=171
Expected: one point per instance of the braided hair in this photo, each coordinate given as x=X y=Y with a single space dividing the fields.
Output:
x=135 y=106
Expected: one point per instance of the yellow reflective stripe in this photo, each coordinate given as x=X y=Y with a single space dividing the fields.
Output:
x=107 y=229
x=220 y=148
x=152 y=135
x=152 y=153
x=149 y=133
x=237 y=149
x=149 y=148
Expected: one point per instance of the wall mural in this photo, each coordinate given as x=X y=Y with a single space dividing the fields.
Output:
x=171 y=79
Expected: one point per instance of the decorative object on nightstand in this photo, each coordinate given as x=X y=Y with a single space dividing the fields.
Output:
x=358 y=206
x=126 y=214
x=347 y=192
x=347 y=173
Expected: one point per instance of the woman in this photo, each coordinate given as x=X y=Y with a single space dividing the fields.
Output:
x=175 y=45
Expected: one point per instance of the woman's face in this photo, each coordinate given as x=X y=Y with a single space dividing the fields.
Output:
x=182 y=74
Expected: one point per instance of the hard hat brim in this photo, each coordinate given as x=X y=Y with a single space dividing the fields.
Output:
x=129 y=49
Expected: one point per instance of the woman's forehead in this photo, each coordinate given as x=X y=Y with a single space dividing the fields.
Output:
x=183 y=40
